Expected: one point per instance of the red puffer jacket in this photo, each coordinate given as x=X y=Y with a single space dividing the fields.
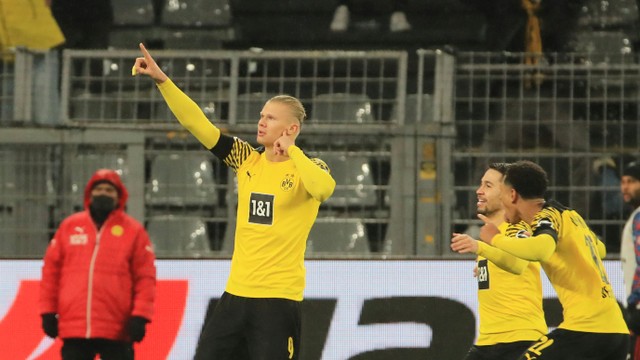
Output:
x=96 y=280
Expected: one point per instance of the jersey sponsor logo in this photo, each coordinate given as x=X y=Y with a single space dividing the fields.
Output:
x=483 y=275
x=261 y=209
x=78 y=239
x=287 y=183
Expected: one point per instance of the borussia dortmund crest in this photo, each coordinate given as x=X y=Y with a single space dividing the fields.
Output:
x=287 y=182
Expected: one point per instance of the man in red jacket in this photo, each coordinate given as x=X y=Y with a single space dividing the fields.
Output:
x=99 y=278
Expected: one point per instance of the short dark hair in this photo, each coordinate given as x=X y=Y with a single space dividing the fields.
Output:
x=500 y=167
x=632 y=169
x=527 y=178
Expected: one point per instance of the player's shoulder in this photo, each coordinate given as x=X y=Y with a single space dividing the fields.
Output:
x=319 y=162
x=552 y=209
x=519 y=230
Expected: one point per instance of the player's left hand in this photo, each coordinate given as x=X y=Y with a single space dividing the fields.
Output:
x=488 y=230
x=281 y=145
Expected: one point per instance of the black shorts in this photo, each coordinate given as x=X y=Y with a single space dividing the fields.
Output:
x=251 y=328
x=498 y=351
x=562 y=344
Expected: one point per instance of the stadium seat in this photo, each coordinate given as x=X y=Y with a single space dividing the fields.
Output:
x=181 y=179
x=602 y=47
x=85 y=164
x=179 y=236
x=25 y=198
x=117 y=76
x=7 y=228
x=612 y=14
x=229 y=237
x=199 y=39
x=7 y=176
x=195 y=73
x=342 y=108
x=411 y=109
x=196 y=13
x=128 y=38
x=116 y=107
x=133 y=12
x=354 y=181
x=338 y=238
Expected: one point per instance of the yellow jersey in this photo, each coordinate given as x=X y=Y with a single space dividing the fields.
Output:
x=275 y=214
x=509 y=304
x=569 y=254
x=277 y=205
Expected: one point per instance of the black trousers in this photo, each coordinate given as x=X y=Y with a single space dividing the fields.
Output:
x=251 y=328
x=87 y=349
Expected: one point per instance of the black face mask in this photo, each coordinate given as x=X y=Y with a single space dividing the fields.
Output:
x=100 y=208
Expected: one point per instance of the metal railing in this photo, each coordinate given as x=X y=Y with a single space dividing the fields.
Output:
x=407 y=145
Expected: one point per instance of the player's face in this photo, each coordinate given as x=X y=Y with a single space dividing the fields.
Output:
x=489 y=193
x=630 y=188
x=275 y=118
x=508 y=204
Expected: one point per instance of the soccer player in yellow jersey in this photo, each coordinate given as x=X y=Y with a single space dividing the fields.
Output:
x=593 y=326
x=509 y=288
x=279 y=192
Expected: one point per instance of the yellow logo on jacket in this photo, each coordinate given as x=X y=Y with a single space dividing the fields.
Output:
x=117 y=230
x=287 y=183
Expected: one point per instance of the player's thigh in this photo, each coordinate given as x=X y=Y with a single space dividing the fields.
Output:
x=557 y=345
x=477 y=353
x=563 y=344
x=275 y=329
x=619 y=346
x=223 y=331
x=498 y=351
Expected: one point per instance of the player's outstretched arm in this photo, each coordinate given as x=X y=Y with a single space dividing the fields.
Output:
x=463 y=243
x=502 y=259
x=186 y=110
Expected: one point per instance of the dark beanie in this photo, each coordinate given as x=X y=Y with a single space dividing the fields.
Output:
x=632 y=169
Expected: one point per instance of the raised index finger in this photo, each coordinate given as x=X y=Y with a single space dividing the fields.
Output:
x=145 y=53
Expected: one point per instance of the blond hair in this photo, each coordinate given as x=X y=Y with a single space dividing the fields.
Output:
x=297 y=109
